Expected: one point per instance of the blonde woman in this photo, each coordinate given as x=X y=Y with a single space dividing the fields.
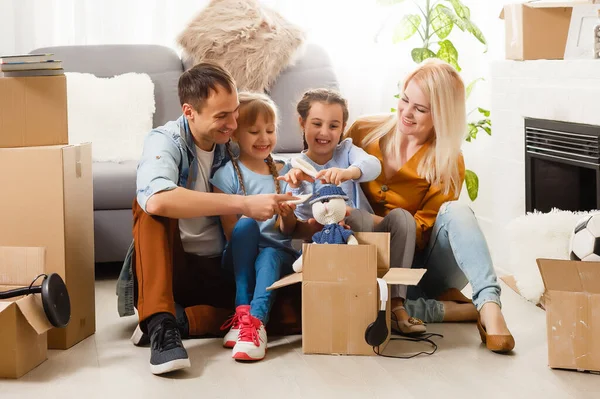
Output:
x=415 y=197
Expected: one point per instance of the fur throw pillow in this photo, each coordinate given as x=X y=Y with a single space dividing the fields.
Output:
x=252 y=42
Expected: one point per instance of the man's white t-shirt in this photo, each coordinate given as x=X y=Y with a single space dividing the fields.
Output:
x=202 y=236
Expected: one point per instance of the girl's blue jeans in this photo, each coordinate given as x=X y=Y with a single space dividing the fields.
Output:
x=255 y=268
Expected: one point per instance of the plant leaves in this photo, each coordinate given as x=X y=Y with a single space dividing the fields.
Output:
x=397 y=96
x=420 y=54
x=441 y=23
x=472 y=134
x=462 y=10
x=393 y=109
x=472 y=183
x=487 y=129
x=453 y=17
x=472 y=85
x=448 y=53
x=475 y=31
x=407 y=27
x=484 y=112
x=389 y=2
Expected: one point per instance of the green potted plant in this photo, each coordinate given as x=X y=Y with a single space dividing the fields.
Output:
x=433 y=23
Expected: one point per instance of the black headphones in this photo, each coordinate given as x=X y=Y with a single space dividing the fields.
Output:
x=377 y=332
x=55 y=298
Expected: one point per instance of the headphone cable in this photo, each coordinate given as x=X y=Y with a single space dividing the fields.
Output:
x=421 y=338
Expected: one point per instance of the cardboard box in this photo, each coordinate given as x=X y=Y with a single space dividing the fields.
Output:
x=537 y=29
x=33 y=111
x=340 y=293
x=46 y=201
x=23 y=324
x=572 y=301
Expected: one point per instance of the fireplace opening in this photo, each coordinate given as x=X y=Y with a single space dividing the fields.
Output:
x=562 y=166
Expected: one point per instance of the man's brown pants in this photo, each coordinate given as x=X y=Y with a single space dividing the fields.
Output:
x=165 y=274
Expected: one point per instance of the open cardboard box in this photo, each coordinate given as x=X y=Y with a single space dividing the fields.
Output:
x=23 y=323
x=537 y=29
x=340 y=294
x=572 y=301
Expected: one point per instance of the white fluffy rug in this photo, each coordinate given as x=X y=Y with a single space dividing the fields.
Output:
x=538 y=235
x=114 y=114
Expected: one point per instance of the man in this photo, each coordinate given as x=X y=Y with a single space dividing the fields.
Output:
x=177 y=238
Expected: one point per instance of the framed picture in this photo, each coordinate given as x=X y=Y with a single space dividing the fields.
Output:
x=581 y=41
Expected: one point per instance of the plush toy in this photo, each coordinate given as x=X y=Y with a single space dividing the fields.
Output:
x=329 y=208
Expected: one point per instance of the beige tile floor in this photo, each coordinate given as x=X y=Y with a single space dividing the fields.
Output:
x=107 y=365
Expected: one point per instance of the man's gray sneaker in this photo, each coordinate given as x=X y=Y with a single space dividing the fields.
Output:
x=139 y=338
x=166 y=349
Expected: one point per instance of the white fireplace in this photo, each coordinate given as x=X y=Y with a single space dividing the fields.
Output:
x=558 y=90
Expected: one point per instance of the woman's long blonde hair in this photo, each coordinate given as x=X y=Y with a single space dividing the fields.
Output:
x=446 y=91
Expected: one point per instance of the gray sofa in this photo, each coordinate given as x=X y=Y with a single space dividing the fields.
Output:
x=114 y=183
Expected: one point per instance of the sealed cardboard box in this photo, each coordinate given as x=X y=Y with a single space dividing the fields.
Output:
x=33 y=111
x=23 y=324
x=572 y=301
x=537 y=29
x=340 y=296
x=46 y=202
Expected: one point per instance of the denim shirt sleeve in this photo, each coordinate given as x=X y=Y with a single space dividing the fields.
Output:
x=158 y=169
x=368 y=164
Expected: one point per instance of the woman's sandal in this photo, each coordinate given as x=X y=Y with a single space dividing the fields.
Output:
x=495 y=343
x=410 y=326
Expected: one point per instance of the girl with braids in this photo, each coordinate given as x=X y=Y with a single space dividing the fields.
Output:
x=323 y=115
x=259 y=252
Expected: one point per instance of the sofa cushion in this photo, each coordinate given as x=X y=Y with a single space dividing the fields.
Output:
x=113 y=232
x=161 y=63
x=252 y=41
x=114 y=184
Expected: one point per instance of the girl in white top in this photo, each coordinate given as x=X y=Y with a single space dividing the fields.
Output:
x=323 y=115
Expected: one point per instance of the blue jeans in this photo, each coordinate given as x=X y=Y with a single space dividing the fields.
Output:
x=457 y=254
x=255 y=268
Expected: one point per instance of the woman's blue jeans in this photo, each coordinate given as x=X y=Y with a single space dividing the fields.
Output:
x=457 y=254
x=255 y=268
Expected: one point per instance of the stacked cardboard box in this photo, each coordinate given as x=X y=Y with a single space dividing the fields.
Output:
x=46 y=196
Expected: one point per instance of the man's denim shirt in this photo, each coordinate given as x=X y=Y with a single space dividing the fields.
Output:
x=169 y=156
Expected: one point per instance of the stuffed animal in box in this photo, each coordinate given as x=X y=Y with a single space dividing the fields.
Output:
x=329 y=209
